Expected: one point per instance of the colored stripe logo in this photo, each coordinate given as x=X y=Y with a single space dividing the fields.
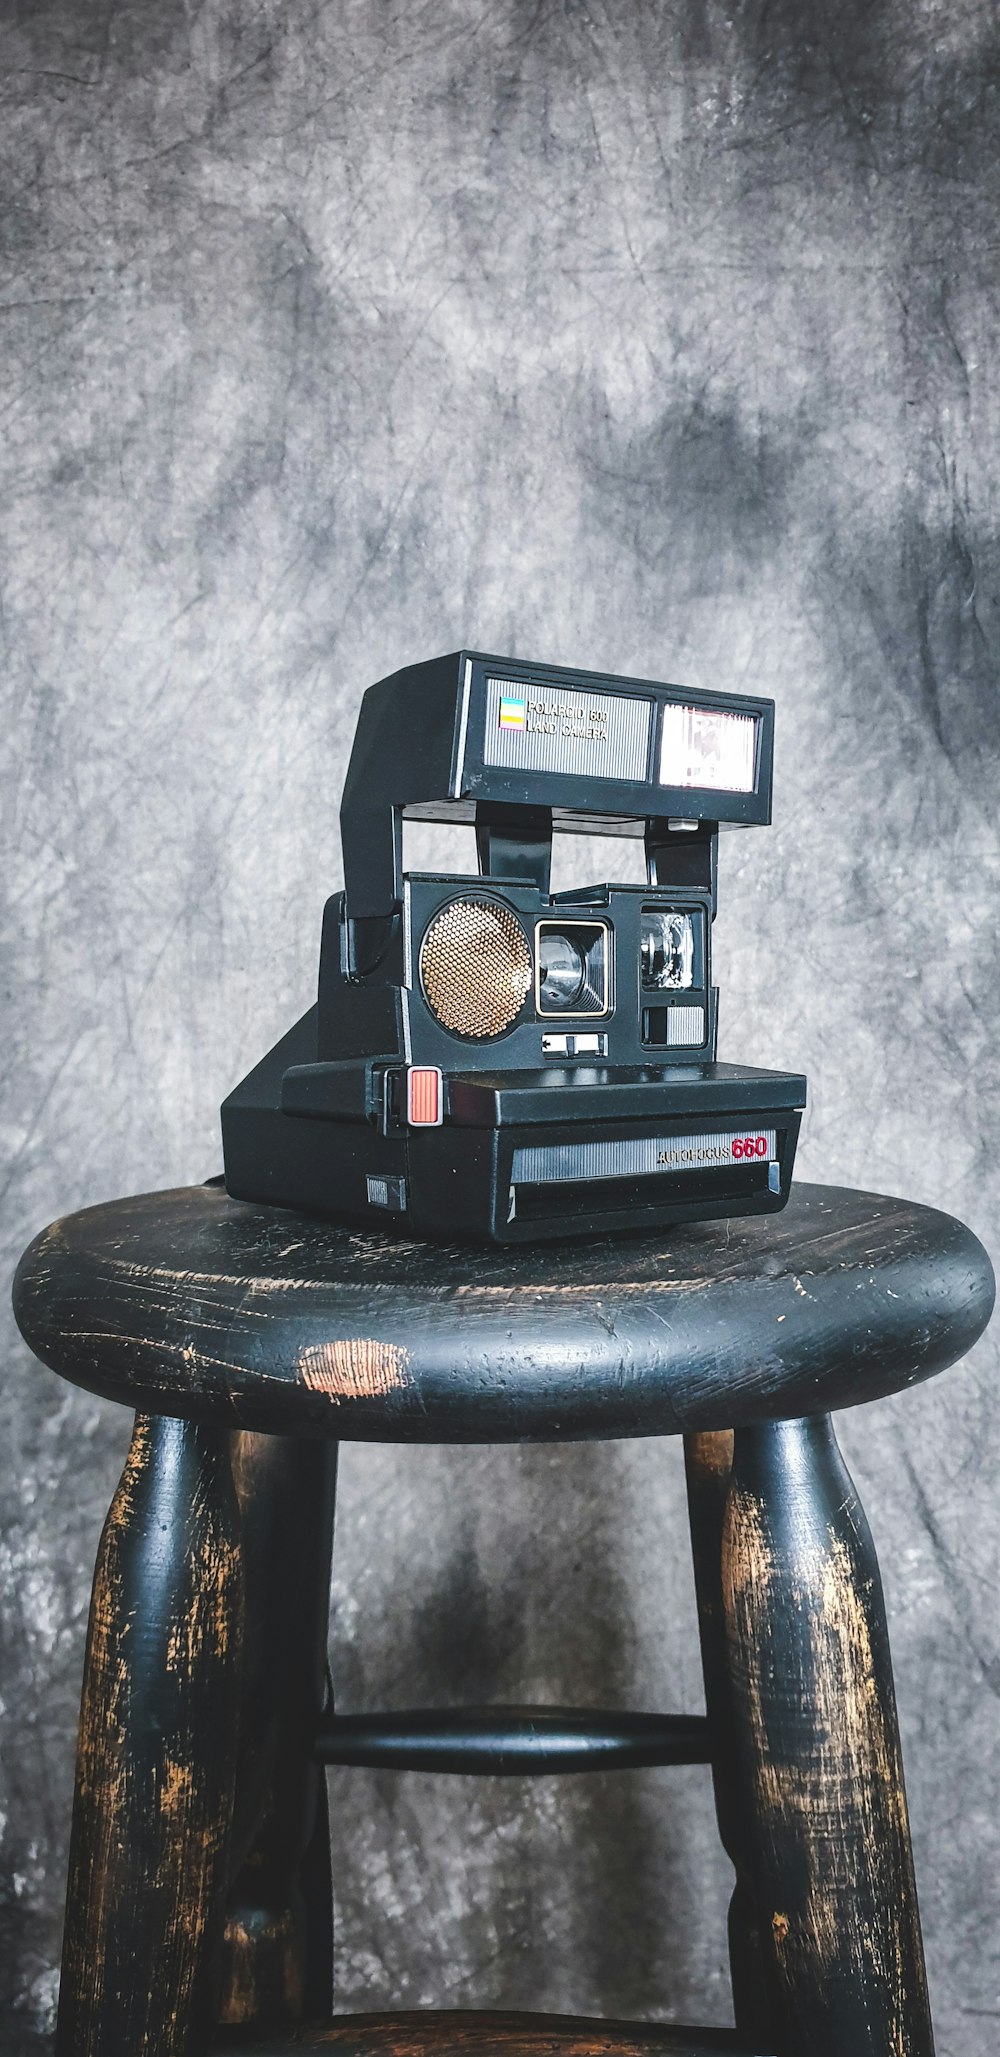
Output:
x=511 y=712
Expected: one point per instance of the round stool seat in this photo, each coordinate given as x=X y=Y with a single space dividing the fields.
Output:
x=191 y=1303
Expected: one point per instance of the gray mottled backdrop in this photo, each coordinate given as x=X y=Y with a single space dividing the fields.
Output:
x=659 y=338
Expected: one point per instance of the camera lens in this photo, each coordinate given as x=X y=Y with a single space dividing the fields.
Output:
x=561 y=970
x=667 y=952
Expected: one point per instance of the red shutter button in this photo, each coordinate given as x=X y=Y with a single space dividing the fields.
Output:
x=424 y=1096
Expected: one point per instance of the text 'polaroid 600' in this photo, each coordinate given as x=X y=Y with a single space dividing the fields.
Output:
x=493 y=1061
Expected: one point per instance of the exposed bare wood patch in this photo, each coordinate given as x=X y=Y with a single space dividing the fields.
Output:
x=444 y=2033
x=192 y=1298
x=710 y=1454
x=359 y=1368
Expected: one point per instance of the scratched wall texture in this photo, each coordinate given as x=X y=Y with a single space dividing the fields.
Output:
x=656 y=338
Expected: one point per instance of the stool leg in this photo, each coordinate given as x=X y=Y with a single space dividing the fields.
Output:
x=156 y=1755
x=278 y=1954
x=708 y=1461
x=818 y=1749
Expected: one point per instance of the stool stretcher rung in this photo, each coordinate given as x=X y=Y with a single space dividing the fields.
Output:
x=430 y=2033
x=512 y=1741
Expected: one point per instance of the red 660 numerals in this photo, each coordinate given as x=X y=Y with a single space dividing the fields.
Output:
x=749 y=1146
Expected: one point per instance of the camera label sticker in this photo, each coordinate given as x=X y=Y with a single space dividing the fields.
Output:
x=641 y=1156
x=548 y=728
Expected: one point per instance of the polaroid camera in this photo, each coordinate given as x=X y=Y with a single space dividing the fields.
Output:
x=492 y=1061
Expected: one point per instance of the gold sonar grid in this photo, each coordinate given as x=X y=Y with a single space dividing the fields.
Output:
x=475 y=964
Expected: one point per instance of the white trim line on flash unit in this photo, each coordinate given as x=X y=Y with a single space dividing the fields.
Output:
x=463 y=730
x=407 y=987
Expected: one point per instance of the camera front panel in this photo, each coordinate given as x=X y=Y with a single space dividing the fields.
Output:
x=499 y=977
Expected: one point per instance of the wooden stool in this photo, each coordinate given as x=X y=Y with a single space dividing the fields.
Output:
x=250 y=1340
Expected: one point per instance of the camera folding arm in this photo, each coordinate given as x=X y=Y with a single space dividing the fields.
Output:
x=519 y=749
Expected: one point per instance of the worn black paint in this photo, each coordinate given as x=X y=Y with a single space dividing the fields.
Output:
x=818 y=1768
x=278 y=1956
x=801 y=1728
x=448 y=2034
x=708 y=1463
x=513 y=1741
x=156 y=1760
x=259 y=1317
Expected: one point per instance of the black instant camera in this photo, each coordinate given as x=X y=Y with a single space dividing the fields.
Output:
x=488 y=1060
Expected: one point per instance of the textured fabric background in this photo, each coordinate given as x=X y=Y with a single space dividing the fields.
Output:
x=658 y=338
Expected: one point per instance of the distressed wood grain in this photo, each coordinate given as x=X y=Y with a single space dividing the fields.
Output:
x=448 y=2033
x=156 y=1755
x=277 y=1952
x=187 y=1908
x=191 y=1303
x=818 y=1751
x=708 y=1463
